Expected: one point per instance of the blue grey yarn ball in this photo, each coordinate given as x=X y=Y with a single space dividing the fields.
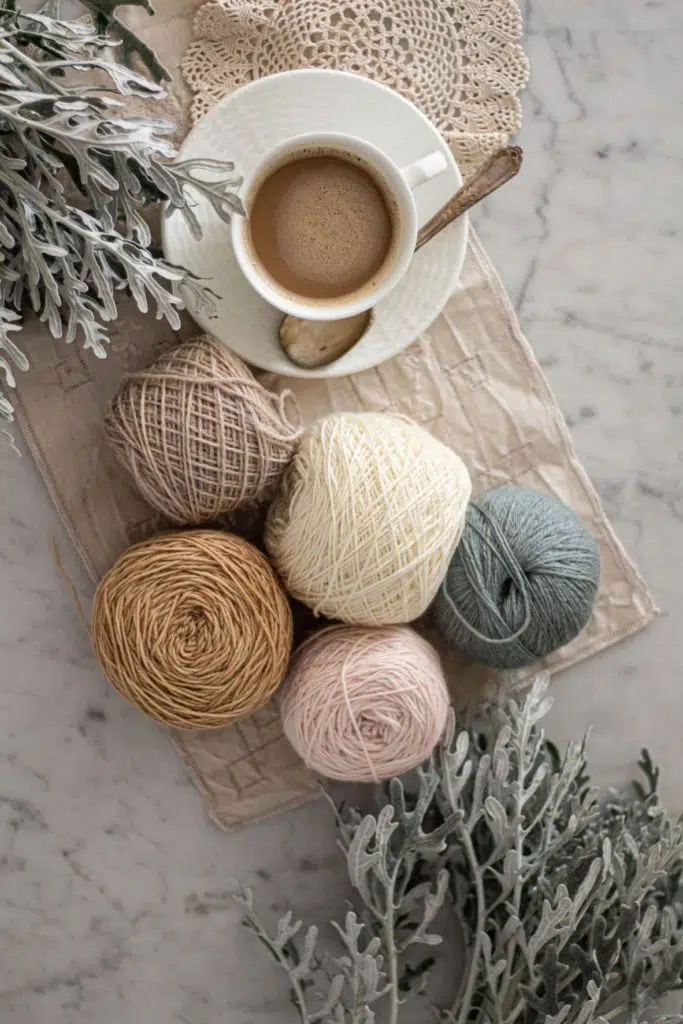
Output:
x=522 y=581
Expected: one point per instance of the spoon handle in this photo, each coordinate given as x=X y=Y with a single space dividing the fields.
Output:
x=498 y=169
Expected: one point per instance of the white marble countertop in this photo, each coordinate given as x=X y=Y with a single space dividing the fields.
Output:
x=114 y=885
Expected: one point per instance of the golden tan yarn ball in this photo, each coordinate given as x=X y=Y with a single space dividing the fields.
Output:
x=193 y=627
x=199 y=435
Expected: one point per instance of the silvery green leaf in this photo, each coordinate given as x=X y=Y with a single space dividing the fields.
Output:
x=458 y=753
x=553 y=920
x=332 y=1002
x=537 y=780
x=497 y=821
x=668 y=923
x=500 y=757
x=536 y=706
x=305 y=966
x=8 y=77
x=415 y=897
x=50 y=314
x=432 y=902
x=455 y=781
x=494 y=963
x=7 y=371
x=585 y=889
x=479 y=788
x=558 y=1018
x=6 y=407
x=351 y=931
x=496 y=971
x=9 y=321
x=286 y=930
x=384 y=830
x=511 y=929
x=428 y=939
x=369 y=973
x=511 y=869
x=360 y=860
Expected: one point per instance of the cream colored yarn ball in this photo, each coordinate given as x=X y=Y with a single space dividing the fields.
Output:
x=366 y=518
x=363 y=704
x=199 y=435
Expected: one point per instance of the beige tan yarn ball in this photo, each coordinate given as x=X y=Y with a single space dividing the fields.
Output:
x=367 y=517
x=193 y=627
x=199 y=435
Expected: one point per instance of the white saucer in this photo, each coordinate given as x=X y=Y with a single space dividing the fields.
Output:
x=243 y=128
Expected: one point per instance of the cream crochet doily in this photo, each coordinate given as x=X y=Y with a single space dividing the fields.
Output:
x=459 y=61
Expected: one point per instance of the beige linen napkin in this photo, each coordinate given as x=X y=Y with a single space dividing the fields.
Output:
x=472 y=380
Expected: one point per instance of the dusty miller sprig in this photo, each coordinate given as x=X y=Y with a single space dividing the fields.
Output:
x=355 y=978
x=382 y=854
x=75 y=176
x=105 y=18
x=107 y=23
x=571 y=908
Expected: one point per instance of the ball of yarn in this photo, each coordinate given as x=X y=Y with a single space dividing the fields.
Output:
x=198 y=434
x=363 y=704
x=523 y=580
x=193 y=627
x=366 y=518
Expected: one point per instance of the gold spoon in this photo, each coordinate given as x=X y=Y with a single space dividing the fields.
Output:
x=315 y=343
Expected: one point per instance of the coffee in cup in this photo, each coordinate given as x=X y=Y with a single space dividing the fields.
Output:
x=321 y=224
x=331 y=224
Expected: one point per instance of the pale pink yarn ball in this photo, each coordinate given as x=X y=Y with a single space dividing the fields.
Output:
x=362 y=704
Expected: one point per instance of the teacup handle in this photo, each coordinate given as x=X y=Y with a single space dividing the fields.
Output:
x=423 y=169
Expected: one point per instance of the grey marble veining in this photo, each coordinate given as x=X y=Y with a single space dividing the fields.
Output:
x=113 y=883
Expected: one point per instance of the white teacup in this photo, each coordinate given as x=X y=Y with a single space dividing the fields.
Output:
x=396 y=182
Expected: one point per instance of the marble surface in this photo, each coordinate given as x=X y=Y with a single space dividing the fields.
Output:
x=113 y=883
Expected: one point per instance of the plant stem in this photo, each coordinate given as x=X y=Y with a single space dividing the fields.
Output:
x=296 y=987
x=473 y=966
x=392 y=959
x=23 y=58
x=615 y=1012
x=278 y=956
x=517 y=898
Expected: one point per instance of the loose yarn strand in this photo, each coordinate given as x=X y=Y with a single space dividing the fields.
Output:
x=507 y=558
x=354 y=723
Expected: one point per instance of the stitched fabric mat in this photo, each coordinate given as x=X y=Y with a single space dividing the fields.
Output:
x=472 y=380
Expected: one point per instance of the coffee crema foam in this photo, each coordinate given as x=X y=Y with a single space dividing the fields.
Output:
x=321 y=226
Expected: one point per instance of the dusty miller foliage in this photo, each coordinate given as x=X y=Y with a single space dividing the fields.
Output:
x=75 y=176
x=105 y=18
x=570 y=906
